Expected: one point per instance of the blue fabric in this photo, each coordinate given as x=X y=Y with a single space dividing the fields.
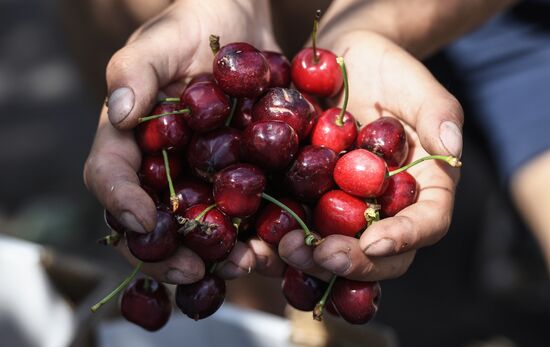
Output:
x=505 y=68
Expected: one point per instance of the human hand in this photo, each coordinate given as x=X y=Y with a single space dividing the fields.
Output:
x=159 y=56
x=386 y=81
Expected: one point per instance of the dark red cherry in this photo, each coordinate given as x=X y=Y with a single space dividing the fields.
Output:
x=214 y=238
x=386 y=137
x=400 y=193
x=269 y=144
x=242 y=117
x=247 y=228
x=157 y=245
x=209 y=106
x=322 y=78
x=286 y=105
x=202 y=77
x=279 y=69
x=168 y=132
x=146 y=303
x=201 y=299
x=272 y=222
x=313 y=101
x=327 y=133
x=356 y=302
x=310 y=175
x=339 y=213
x=189 y=192
x=241 y=70
x=361 y=173
x=238 y=189
x=301 y=290
x=153 y=172
x=153 y=194
x=210 y=152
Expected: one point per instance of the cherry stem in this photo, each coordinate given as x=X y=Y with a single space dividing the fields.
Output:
x=314 y=36
x=213 y=268
x=372 y=214
x=147 y=283
x=237 y=223
x=310 y=238
x=319 y=308
x=118 y=289
x=233 y=108
x=340 y=119
x=214 y=43
x=110 y=240
x=170 y=100
x=155 y=116
x=200 y=217
x=173 y=196
x=449 y=159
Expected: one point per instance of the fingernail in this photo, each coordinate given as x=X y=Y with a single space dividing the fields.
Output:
x=300 y=258
x=231 y=270
x=119 y=104
x=338 y=263
x=451 y=137
x=131 y=222
x=380 y=248
x=175 y=276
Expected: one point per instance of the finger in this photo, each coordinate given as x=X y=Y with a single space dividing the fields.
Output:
x=342 y=256
x=240 y=262
x=183 y=267
x=110 y=174
x=268 y=262
x=297 y=254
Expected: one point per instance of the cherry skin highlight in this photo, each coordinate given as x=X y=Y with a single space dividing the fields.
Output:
x=201 y=299
x=361 y=173
x=272 y=222
x=339 y=213
x=386 y=137
x=209 y=106
x=301 y=290
x=147 y=304
x=400 y=193
x=356 y=302
x=322 y=78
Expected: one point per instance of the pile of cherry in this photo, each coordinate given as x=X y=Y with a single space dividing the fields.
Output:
x=240 y=154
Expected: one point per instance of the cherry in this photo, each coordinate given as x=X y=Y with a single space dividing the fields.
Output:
x=242 y=117
x=272 y=222
x=310 y=175
x=152 y=194
x=313 y=101
x=157 y=245
x=113 y=223
x=386 y=137
x=246 y=229
x=241 y=70
x=361 y=173
x=400 y=193
x=201 y=299
x=286 y=105
x=339 y=213
x=213 y=237
x=269 y=144
x=146 y=303
x=279 y=69
x=153 y=171
x=202 y=77
x=357 y=302
x=210 y=152
x=238 y=189
x=208 y=104
x=189 y=192
x=314 y=70
x=301 y=290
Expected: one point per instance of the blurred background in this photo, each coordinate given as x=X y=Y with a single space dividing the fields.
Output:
x=485 y=284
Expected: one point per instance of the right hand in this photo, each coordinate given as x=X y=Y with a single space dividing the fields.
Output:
x=159 y=56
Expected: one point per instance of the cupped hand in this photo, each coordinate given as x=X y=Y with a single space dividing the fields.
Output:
x=160 y=55
x=386 y=81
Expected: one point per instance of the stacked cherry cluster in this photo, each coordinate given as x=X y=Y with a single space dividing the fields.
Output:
x=240 y=154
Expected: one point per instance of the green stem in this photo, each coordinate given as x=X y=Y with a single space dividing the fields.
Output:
x=214 y=43
x=173 y=196
x=314 y=36
x=449 y=159
x=310 y=238
x=233 y=108
x=318 y=310
x=201 y=215
x=340 y=119
x=170 y=100
x=118 y=289
x=155 y=116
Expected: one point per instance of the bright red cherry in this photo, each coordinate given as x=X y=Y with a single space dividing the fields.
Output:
x=210 y=152
x=286 y=105
x=301 y=290
x=386 y=137
x=242 y=117
x=241 y=70
x=321 y=77
x=310 y=175
x=238 y=189
x=272 y=222
x=328 y=133
x=209 y=106
x=361 y=173
x=400 y=193
x=146 y=302
x=279 y=69
x=201 y=299
x=190 y=191
x=153 y=172
x=269 y=144
x=213 y=237
x=356 y=302
x=339 y=213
